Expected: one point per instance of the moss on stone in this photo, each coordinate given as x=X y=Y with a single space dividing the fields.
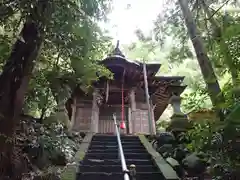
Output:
x=80 y=155
x=179 y=115
x=167 y=171
x=69 y=173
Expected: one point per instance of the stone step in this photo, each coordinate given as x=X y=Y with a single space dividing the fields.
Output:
x=142 y=150
x=102 y=159
x=112 y=147
x=114 y=138
x=136 y=162
x=118 y=176
x=111 y=143
x=115 y=168
x=116 y=156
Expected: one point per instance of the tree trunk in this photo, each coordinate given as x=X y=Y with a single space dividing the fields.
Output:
x=208 y=73
x=43 y=112
x=228 y=59
x=14 y=82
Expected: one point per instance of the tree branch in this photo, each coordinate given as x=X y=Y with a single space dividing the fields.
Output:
x=215 y=12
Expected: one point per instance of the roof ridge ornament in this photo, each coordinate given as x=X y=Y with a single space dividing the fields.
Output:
x=117 y=51
x=117 y=46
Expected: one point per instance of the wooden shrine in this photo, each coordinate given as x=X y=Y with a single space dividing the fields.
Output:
x=125 y=96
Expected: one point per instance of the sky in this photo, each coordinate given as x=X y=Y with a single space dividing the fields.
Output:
x=129 y=15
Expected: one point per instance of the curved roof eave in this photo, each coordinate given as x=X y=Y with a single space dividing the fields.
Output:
x=153 y=67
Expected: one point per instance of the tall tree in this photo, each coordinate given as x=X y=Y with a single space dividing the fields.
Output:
x=14 y=80
x=218 y=36
x=202 y=57
x=47 y=25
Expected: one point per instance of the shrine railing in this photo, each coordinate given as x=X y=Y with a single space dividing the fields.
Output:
x=120 y=150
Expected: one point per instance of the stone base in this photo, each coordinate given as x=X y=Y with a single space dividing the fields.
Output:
x=179 y=122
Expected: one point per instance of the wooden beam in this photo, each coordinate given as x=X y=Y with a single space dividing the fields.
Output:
x=150 y=123
x=114 y=105
x=113 y=89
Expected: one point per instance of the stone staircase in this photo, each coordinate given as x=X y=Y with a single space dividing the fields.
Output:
x=102 y=160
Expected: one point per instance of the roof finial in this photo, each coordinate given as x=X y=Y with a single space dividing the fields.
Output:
x=117 y=46
x=117 y=51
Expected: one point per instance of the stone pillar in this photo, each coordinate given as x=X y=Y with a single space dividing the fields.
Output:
x=179 y=121
x=133 y=111
x=95 y=113
x=153 y=119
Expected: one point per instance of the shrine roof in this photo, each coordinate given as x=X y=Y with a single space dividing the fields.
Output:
x=167 y=78
x=116 y=60
x=161 y=88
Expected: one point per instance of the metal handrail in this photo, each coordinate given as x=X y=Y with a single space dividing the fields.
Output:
x=123 y=161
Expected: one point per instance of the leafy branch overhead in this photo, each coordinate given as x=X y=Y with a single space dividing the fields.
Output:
x=217 y=23
x=47 y=49
x=73 y=44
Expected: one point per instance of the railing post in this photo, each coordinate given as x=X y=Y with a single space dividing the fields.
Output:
x=120 y=149
x=132 y=172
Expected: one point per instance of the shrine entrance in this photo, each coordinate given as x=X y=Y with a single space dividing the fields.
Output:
x=106 y=123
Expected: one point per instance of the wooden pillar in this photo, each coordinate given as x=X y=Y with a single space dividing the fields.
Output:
x=147 y=99
x=74 y=110
x=95 y=113
x=133 y=111
x=130 y=120
x=153 y=119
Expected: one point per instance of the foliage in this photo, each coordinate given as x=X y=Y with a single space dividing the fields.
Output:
x=218 y=25
x=71 y=46
x=200 y=136
x=178 y=58
x=46 y=145
x=219 y=140
x=195 y=101
x=162 y=124
x=70 y=51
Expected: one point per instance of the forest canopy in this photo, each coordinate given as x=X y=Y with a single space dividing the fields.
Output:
x=169 y=43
